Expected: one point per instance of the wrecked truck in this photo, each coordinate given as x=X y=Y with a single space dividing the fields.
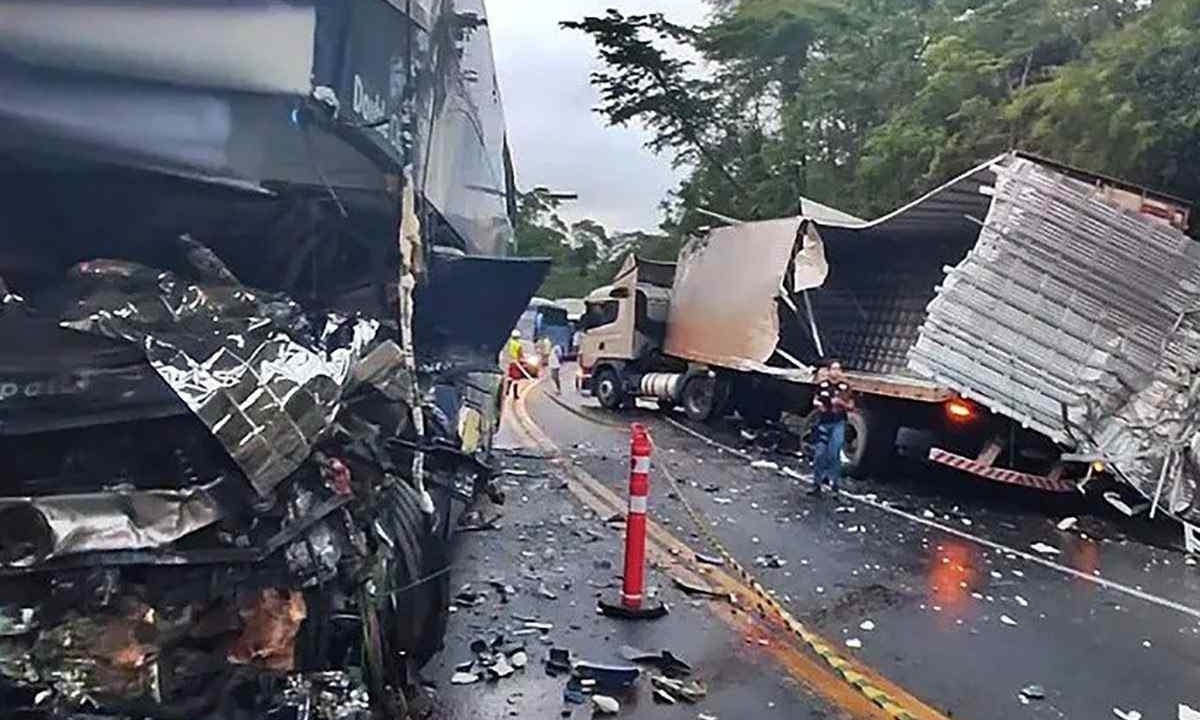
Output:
x=253 y=286
x=1026 y=323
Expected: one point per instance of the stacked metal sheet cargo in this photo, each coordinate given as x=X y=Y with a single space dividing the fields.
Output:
x=1070 y=304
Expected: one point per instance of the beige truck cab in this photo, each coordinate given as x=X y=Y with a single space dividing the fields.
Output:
x=624 y=324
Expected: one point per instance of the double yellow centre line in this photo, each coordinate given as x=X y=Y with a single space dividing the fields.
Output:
x=844 y=682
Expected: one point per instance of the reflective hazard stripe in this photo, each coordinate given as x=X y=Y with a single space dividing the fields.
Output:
x=637 y=504
x=989 y=472
x=641 y=464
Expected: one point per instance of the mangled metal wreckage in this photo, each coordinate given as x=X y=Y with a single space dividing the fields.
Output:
x=1064 y=304
x=252 y=300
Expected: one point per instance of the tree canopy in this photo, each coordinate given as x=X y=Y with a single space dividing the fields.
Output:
x=864 y=104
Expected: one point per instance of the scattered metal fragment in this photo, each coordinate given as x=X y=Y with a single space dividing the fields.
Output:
x=705 y=716
x=1007 y=620
x=1021 y=601
x=605 y=705
x=1187 y=713
x=770 y=560
x=696 y=588
x=853 y=643
x=539 y=626
x=691 y=691
x=764 y=465
x=1067 y=523
x=546 y=592
x=663 y=697
x=664 y=660
x=464 y=678
x=867 y=625
x=1127 y=714
x=708 y=559
x=519 y=659
x=1033 y=692
x=1044 y=548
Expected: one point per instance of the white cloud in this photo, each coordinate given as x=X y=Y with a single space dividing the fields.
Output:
x=556 y=139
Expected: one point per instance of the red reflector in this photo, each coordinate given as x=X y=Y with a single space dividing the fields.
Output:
x=959 y=410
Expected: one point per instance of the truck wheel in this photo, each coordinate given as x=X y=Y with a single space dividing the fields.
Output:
x=608 y=389
x=699 y=398
x=870 y=442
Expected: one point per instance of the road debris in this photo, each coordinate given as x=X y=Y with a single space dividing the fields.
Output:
x=1187 y=713
x=1021 y=601
x=770 y=560
x=664 y=660
x=608 y=677
x=1033 y=692
x=854 y=643
x=764 y=465
x=1127 y=714
x=691 y=691
x=464 y=678
x=867 y=625
x=1067 y=523
x=697 y=588
x=1045 y=549
x=708 y=559
x=605 y=705
x=1007 y=620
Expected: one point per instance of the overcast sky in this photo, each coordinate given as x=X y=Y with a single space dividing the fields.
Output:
x=556 y=139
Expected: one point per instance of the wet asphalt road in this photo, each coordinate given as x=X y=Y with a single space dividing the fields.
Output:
x=549 y=544
x=960 y=624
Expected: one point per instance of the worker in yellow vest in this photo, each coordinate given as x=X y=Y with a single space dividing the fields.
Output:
x=516 y=356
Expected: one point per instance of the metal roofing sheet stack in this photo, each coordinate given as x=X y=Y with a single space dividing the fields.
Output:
x=1068 y=300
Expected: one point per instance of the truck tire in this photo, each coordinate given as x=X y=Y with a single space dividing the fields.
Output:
x=700 y=398
x=870 y=442
x=608 y=390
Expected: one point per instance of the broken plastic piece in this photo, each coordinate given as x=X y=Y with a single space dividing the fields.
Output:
x=605 y=705
x=1007 y=620
x=1067 y=523
x=708 y=559
x=609 y=677
x=1127 y=714
x=854 y=643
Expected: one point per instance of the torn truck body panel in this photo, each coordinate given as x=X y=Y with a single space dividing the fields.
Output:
x=724 y=307
x=243 y=385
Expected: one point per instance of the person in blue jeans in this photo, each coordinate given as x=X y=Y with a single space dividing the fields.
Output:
x=833 y=401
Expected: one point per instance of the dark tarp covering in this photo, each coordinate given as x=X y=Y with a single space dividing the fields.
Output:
x=478 y=300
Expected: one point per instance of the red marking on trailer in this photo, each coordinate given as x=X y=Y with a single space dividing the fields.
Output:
x=1011 y=477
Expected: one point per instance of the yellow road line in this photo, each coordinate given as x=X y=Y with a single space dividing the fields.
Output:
x=844 y=682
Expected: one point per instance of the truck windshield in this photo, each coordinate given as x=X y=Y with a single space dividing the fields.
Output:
x=599 y=314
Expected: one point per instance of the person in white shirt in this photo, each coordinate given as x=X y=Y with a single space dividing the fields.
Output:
x=555 y=364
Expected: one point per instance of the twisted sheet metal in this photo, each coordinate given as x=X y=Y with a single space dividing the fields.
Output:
x=1073 y=317
x=266 y=379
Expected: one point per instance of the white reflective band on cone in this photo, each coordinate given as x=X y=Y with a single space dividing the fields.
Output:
x=641 y=464
x=637 y=504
